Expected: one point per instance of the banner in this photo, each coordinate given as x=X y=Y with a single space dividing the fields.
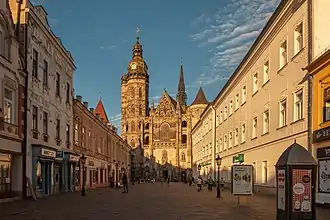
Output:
x=281 y=189
x=242 y=179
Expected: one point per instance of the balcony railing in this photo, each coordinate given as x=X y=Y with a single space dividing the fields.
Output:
x=9 y=129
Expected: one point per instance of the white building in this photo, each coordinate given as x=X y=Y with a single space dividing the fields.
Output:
x=50 y=68
x=11 y=95
x=262 y=108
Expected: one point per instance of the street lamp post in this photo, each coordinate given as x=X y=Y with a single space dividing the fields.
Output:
x=218 y=160
x=83 y=162
x=117 y=175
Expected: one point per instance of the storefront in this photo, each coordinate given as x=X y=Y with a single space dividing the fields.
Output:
x=5 y=177
x=71 y=165
x=42 y=166
x=322 y=148
x=65 y=168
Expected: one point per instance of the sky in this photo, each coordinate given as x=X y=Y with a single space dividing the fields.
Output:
x=211 y=36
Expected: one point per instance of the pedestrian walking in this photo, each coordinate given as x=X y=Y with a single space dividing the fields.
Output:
x=125 y=183
x=199 y=183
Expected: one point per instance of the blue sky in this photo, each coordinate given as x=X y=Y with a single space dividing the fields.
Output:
x=211 y=36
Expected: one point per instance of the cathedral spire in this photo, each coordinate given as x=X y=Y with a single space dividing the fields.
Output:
x=181 y=96
x=137 y=48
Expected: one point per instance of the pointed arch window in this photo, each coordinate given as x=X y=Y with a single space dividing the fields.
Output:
x=146 y=140
x=140 y=110
x=184 y=124
x=140 y=92
x=132 y=126
x=165 y=132
x=183 y=156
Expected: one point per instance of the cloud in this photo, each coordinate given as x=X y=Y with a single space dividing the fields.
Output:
x=228 y=34
x=115 y=118
x=110 y=47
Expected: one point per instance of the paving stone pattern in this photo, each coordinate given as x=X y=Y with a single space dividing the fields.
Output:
x=145 y=201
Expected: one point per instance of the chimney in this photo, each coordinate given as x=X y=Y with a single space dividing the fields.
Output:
x=86 y=104
x=79 y=98
x=98 y=115
x=91 y=110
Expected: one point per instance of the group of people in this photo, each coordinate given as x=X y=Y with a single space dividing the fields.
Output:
x=210 y=182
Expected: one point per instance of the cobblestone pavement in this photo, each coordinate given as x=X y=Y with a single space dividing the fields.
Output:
x=145 y=201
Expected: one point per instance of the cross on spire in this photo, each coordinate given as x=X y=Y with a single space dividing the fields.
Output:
x=137 y=33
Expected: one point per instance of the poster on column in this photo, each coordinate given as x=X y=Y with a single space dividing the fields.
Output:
x=242 y=182
x=281 y=189
x=301 y=190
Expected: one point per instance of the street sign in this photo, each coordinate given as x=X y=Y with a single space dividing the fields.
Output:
x=238 y=158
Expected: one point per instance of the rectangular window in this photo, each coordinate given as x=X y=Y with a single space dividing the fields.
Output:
x=58 y=78
x=243 y=133
x=83 y=138
x=236 y=101
x=326 y=107
x=58 y=131
x=298 y=105
x=283 y=109
x=283 y=54
x=230 y=139
x=225 y=142
x=225 y=113
x=221 y=145
x=35 y=58
x=34 y=118
x=8 y=106
x=231 y=107
x=221 y=117
x=264 y=172
x=266 y=71
x=45 y=123
x=67 y=135
x=236 y=137
x=298 y=39
x=45 y=76
x=255 y=83
x=68 y=92
x=266 y=122
x=254 y=127
x=244 y=94
x=76 y=134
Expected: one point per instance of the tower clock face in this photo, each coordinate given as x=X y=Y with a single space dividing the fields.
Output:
x=133 y=66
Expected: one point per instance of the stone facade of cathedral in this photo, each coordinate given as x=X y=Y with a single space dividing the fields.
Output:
x=163 y=131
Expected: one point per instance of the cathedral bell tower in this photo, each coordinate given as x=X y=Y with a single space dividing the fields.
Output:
x=135 y=96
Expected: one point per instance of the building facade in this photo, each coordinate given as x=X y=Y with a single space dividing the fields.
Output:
x=319 y=69
x=108 y=155
x=262 y=108
x=11 y=94
x=49 y=121
x=163 y=131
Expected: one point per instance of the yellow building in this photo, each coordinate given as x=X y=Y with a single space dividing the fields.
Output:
x=320 y=71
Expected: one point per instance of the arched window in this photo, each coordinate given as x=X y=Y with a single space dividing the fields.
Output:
x=132 y=93
x=165 y=132
x=184 y=124
x=140 y=110
x=147 y=126
x=184 y=139
x=183 y=156
x=132 y=143
x=146 y=140
x=126 y=126
x=132 y=126
x=140 y=93
x=164 y=156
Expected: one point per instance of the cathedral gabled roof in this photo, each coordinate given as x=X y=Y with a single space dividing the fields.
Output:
x=200 y=98
x=100 y=110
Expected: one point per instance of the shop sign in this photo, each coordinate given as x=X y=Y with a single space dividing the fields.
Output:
x=48 y=153
x=238 y=158
x=322 y=134
x=324 y=176
x=73 y=158
x=242 y=179
x=323 y=152
x=302 y=190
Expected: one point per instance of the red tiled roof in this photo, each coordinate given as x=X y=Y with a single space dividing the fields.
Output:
x=100 y=110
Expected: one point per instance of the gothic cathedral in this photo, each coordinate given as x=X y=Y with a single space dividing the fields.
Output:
x=162 y=131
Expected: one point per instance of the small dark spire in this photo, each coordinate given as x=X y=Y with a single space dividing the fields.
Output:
x=181 y=96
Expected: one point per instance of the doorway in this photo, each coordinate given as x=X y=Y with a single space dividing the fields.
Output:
x=58 y=178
